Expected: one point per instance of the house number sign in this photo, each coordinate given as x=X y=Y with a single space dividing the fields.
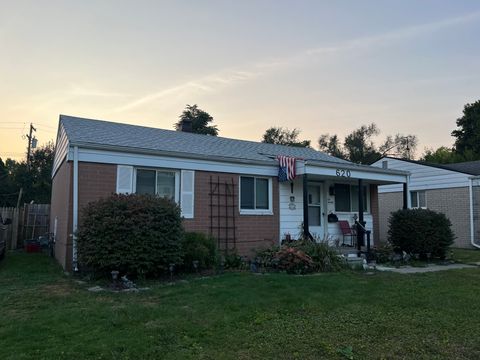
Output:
x=343 y=173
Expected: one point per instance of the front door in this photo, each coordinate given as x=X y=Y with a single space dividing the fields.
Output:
x=315 y=210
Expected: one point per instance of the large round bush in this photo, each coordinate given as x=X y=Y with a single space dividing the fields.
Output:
x=139 y=235
x=420 y=231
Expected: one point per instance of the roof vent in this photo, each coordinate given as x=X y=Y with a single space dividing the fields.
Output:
x=385 y=164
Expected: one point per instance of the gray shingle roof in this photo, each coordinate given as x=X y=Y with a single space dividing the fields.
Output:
x=137 y=138
x=468 y=167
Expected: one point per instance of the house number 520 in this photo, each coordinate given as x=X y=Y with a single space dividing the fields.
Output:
x=343 y=173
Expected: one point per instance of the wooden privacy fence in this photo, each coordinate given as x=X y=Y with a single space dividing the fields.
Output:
x=28 y=222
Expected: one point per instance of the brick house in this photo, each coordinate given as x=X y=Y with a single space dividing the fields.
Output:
x=225 y=187
x=453 y=189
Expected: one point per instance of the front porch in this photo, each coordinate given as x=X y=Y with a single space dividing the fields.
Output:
x=348 y=191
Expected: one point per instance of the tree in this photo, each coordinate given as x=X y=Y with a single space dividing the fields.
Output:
x=36 y=182
x=281 y=136
x=331 y=145
x=402 y=146
x=359 y=147
x=442 y=155
x=199 y=120
x=7 y=190
x=467 y=135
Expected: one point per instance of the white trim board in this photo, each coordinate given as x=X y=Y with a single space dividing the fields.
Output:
x=155 y=161
x=424 y=177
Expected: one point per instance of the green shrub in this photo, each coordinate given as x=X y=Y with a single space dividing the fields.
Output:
x=138 y=235
x=324 y=257
x=293 y=261
x=267 y=257
x=383 y=253
x=233 y=261
x=420 y=231
x=199 y=247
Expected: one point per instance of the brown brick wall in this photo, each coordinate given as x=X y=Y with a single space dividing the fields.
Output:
x=387 y=203
x=454 y=203
x=95 y=181
x=99 y=180
x=252 y=231
x=61 y=208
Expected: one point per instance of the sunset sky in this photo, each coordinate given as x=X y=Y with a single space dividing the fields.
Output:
x=320 y=66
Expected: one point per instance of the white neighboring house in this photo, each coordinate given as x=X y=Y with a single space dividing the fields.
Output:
x=453 y=189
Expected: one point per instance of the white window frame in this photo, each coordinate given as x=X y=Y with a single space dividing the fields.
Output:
x=268 y=211
x=351 y=202
x=417 y=193
x=157 y=170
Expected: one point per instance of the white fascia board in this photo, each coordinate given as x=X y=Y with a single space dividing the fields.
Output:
x=364 y=174
x=158 y=161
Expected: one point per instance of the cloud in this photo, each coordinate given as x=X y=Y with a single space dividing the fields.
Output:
x=217 y=81
x=205 y=84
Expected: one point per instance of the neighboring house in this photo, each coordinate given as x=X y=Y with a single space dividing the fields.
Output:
x=453 y=189
x=227 y=188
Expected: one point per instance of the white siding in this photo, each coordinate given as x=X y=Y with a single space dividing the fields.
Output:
x=423 y=177
x=291 y=219
x=61 y=148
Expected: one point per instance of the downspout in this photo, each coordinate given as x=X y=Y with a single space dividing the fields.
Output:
x=75 y=209
x=472 y=233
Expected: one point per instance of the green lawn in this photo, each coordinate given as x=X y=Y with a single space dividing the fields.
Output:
x=466 y=255
x=45 y=315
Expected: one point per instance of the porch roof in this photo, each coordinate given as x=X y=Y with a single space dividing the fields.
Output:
x=351 y=171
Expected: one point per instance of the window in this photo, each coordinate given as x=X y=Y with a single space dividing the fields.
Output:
x=161 y=183
x=417 y=199
x=255 y=195
x=314 y=205
x=346 y=198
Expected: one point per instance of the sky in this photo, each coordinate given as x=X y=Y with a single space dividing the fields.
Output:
x=319 y=66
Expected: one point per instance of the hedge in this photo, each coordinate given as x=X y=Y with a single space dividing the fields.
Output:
x=420 y=231
x=138 y=235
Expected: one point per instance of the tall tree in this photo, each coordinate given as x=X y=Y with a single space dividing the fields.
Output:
x=402 y=146
x=198 y=121
x=36 y=181
x=442 y=155
x=467 y=135
x=359 y=147
x=284 y=136
x=331 y=145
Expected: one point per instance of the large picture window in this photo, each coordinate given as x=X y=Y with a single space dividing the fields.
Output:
x=159 y=182
x=346 y=198
x=255 y=194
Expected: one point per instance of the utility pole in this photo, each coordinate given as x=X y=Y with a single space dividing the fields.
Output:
x=32 y=143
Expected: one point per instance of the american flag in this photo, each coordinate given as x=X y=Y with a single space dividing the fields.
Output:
x=286 y=168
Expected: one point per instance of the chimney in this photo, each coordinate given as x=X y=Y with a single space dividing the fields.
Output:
x=186 y=125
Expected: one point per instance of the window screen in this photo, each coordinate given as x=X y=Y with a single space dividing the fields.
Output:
x=261 y=195
x=342 y=197
x=145 y=181
x=247 y=189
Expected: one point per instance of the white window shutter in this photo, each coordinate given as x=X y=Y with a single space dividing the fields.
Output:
x=124 y=179
x=187 y=186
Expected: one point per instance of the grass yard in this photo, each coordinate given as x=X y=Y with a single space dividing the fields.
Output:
x=466 y=255
x=45 y=315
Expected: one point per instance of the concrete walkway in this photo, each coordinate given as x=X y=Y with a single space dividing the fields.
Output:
x=428 y=268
